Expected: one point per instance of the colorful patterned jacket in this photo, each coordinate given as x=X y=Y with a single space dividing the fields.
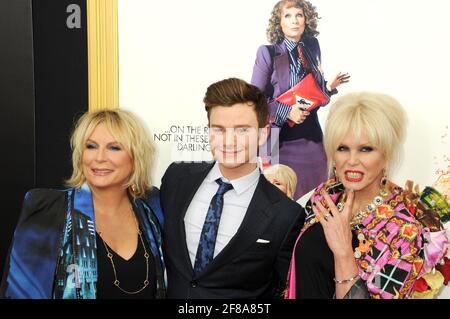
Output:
x=53 y=253
x=395 y=247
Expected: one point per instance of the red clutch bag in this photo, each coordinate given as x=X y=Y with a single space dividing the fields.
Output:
x=307 y=91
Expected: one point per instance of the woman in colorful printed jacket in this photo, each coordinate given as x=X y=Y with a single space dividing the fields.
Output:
x=364 y=236
x=102 y=237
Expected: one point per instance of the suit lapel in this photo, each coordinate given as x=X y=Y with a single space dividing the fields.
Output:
x=188 y=186
x=256 y=220
x=281 y=64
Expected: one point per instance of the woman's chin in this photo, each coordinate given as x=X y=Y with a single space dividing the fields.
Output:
x=356 y=186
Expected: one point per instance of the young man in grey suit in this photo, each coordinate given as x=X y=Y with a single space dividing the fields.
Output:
x=228 y=232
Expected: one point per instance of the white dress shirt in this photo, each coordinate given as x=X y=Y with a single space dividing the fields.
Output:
x=235 y=206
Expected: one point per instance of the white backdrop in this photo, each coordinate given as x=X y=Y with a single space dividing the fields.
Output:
x=169 y=52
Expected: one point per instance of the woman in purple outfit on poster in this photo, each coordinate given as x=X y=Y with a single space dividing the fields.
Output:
x=294 y=53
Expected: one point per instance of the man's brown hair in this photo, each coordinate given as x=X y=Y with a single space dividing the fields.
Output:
x=231 y=91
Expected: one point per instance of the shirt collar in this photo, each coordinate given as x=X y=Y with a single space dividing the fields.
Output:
x=291 y=45
x=241 y=184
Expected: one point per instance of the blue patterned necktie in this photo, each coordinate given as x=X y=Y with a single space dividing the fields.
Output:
x=207 y=243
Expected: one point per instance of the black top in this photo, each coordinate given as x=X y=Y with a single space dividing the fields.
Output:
x=314 y=265
x=131 y=273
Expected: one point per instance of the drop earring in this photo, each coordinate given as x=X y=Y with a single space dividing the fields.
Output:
x=336 y=178
x=383 y=185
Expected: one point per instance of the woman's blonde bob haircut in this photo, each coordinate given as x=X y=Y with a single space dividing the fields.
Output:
x=128 y=130
x=378 y=116
x=284 y=174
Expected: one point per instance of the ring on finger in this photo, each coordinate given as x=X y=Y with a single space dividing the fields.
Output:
x=326 y=216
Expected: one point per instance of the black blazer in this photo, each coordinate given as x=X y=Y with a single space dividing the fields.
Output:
x=244 y=268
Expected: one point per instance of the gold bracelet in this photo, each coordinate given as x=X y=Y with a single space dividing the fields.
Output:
x=346 y=280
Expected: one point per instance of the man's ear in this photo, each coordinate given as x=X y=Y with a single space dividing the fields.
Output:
x=263 y=134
